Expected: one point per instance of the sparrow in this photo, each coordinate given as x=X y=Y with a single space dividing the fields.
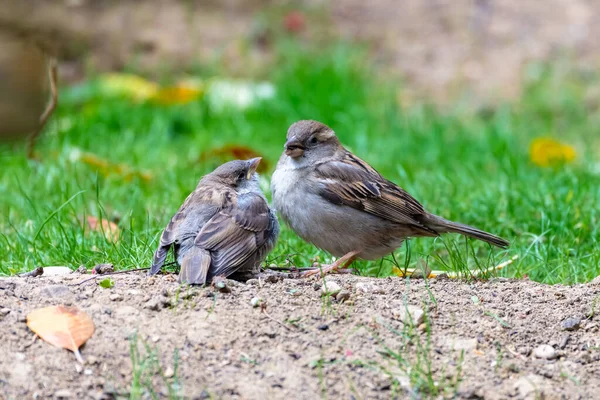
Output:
x=338 y=202
x=224 y=228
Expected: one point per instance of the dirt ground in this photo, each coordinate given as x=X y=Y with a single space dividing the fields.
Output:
x=484 y=339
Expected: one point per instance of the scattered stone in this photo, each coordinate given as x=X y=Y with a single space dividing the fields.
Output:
x=529 y=387
x=256 y=302
x=165 y=292
x=55 y=291
x=563 y=342
x=368 y=287
x=252 y=282
x=221 y=284
x=595 y=281
x=342 y=296
x=273 y=278
x=81 y=270
x=4 y=311
x=323 y=327
x=571 y=324
x=409 y=314
x=156 y=303
x=545 y=351
x=330 y=288
x=547 y=371
x=63 y=394
x=116 y=297
x=169 y=372
x=102 y=269
x=91 y=360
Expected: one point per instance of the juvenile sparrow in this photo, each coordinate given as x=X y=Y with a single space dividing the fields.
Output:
x=224 y=227
x=339 y=203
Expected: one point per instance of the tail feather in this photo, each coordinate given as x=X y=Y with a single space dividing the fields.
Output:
x=194 y=266
x=442 y=225
x=159 y=259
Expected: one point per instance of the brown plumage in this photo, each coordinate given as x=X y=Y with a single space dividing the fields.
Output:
x=224 y=227
x=338 y=202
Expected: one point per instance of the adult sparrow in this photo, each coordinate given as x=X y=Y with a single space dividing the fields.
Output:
x=341 y=204
x=225 y=227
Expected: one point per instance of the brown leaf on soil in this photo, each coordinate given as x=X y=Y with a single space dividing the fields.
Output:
x=234 y=151
x=61 y=326
x=109 y=229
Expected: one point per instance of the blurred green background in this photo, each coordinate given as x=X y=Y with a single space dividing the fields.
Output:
x=516 y=154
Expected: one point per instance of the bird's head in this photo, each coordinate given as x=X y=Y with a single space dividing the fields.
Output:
x=311 y=141
x=239 y=174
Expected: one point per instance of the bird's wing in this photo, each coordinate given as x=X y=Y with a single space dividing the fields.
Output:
x=234 y=234
x=198 y=201
x=354 y=183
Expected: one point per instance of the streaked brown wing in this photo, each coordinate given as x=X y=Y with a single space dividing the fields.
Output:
x=352 y=182
x=235 y=234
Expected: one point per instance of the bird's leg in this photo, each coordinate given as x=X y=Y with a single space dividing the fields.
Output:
x=345 y=261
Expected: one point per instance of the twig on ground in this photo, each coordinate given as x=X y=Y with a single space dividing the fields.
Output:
x=112 y=273
x=263 y=309
x=39 y=271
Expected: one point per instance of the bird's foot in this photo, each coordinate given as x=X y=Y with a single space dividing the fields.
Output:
x=325 y=269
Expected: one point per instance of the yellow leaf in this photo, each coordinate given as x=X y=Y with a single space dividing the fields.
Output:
x=107 y=168
x=546 y=152
x=61 y=326
x=129 y=85
x=180 y=94
x=109 y=229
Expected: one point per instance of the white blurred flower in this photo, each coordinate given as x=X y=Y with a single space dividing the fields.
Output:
x=222 y=94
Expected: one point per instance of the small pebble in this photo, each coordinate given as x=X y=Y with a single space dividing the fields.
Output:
x=81 y=269
x=330 y=288
x=115 y=297
x=256 y=301
x=156 y=303
x=571 y=324
x=342 y=296
x=169 y=372
x=563 y=342
x=323 y=327
x=63 y=394
x=409 y=314
x=252 y=282
x=5 y=311
x=545 y=351
x=102 y=269
x=368 y=287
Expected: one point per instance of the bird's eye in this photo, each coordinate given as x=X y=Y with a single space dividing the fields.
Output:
x=313 y=140
x=241 y=176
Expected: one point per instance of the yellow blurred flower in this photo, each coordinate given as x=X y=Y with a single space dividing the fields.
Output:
x=545 y=152
x=129 y=85
x=180 y=94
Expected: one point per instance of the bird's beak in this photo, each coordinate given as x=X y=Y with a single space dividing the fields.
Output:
x=293 y=147
x=252 y=165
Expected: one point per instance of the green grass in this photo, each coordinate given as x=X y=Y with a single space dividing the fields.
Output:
x=472 y=167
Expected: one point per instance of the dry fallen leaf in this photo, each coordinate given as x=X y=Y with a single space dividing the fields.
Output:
x=108 y=168
x=61 y=326
x=109 y=229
